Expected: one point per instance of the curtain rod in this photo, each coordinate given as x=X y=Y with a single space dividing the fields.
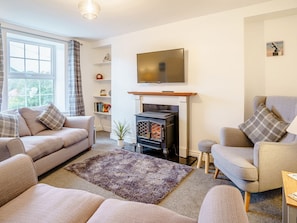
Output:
x=28 y=33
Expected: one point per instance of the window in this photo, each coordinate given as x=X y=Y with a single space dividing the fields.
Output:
x=35 y=72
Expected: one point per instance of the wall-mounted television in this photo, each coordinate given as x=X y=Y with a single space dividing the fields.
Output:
x=165 y=66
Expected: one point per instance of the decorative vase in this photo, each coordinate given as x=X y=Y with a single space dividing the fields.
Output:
x=121 y=143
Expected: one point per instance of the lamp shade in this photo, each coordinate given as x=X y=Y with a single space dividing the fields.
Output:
x=293 y=127
x=89 y=9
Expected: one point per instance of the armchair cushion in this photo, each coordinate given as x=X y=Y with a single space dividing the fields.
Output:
x=238 y=160
x=264 y=125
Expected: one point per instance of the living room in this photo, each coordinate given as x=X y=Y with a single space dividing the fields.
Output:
x=220 y=48
x=225 y=64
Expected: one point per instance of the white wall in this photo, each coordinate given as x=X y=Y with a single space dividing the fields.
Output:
x=215 y=50
x=270 y=75
x=280 y=72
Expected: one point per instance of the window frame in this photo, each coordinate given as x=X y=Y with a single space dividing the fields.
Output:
x=28 y=75
x=58 y=66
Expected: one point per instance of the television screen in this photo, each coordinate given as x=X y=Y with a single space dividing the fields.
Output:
x=161 y=67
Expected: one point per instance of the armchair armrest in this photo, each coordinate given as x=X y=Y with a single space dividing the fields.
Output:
x=10 y=147
x=82 y=122
x=234 y=137
x=17 y=175
x=271 y=158
x=222 y=203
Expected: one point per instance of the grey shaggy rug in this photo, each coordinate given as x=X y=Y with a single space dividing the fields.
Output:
x=130 y=175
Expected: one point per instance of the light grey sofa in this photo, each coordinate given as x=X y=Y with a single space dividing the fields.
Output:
x=23 y=200
x=48 y=148
x=257 y=167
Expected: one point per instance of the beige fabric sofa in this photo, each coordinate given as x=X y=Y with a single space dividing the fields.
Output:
x=48 y=148
x=23 y=200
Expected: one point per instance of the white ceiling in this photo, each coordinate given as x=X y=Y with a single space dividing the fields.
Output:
x=61 y=17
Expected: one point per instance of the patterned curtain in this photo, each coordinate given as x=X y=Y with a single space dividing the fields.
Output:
x=76 y=102
x=1 y=68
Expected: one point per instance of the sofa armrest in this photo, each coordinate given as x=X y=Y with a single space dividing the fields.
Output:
x=271 y=158
x=4 y=152
x=17 y=175
x=234 y=137
x=10 y=147
x=222 y=203
x=16 y=146
x=82 y=122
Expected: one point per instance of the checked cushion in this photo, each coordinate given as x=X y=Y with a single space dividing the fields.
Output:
x=52 y=118
x=264 y=125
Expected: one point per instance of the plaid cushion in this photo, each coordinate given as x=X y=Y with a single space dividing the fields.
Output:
x=9 y=125
x=264 y=125
x=52 y=118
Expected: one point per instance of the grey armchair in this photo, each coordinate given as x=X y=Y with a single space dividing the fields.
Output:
x=257 y=167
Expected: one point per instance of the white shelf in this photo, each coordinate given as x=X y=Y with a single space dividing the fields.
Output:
x=103 y=113
x=101 y=80
x=98 y=96
x=103 y=63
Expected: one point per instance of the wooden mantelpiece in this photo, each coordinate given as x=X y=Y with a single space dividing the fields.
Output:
x=180 y=99
x=163 y=93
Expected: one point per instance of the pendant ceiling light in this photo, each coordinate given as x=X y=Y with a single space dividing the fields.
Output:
x=89 y=9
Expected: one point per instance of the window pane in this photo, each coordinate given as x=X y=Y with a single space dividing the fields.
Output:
x=32 y=66
x=32 y=92
x=46 y=99
x=46 y=87
x=46 y=91
x=31 y=51
x=45 y=53
x=16 y=102
x=16 y=49
x=32 y=87
x=16 y=93
x=45 y=67
x=16 y=65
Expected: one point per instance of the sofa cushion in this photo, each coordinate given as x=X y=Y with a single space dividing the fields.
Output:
x=23 y=128
x=50 y=204
x=39 y=146
x=264 y=125
x=52 y=118
x=237 y=159
x=69 y=136
x=30 y=115
x=9 y=125
x=117 y=211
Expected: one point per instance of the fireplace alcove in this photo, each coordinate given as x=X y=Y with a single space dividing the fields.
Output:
x=175 y=101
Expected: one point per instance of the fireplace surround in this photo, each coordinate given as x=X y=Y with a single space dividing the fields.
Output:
x=180 y=99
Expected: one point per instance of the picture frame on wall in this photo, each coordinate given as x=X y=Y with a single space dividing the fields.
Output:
x=275 y=48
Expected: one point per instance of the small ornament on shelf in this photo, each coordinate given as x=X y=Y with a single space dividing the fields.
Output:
x=99 y=76
x=102 y=92
x=106 y=107
x=107 y=58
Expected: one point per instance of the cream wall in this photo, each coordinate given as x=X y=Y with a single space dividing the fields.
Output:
x=216 y=66
x=270 y=75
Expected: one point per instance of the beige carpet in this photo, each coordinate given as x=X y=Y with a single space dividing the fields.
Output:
x=185 y=199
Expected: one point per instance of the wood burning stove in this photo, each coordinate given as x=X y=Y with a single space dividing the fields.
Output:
x=156 y=130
